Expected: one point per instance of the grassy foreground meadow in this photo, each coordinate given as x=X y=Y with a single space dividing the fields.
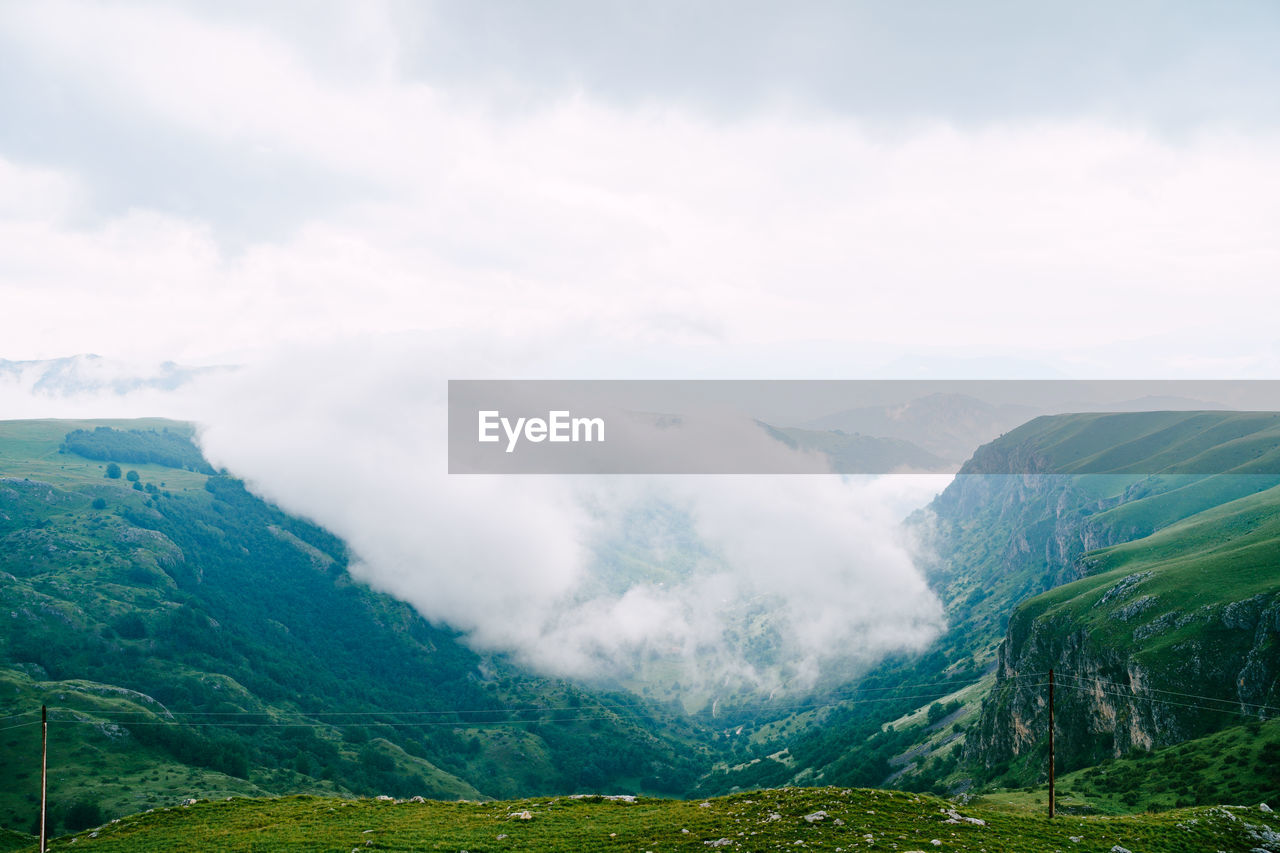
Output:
x=807 y=818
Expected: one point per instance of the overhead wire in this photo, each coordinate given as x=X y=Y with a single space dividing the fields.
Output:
x=396 y=718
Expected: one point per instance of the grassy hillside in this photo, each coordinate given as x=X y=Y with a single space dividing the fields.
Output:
x=1225 y=554
x=1170 y=637
x=10 y=840
x=1137 y=443
x=812 y=818
x=192 y=640
x=1168 y=586
x=1235 y=765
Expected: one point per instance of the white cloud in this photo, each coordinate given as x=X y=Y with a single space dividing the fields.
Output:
x=646 y=226
x=553 y=569
x=664 y=230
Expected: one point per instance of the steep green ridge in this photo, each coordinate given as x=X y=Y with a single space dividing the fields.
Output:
x=1136 y=443
x=192 y=640
x=999 y=539
x=822 y=818
x=1192 y=609
x=1166 y=585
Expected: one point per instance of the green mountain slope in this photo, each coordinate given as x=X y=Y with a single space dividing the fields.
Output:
x=1190 y=611
x=192 y=640
x=1165 y=565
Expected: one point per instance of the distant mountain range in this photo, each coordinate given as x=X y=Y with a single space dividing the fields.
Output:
x=89 y=374
x=952 y=426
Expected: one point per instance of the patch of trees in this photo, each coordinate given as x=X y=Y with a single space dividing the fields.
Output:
x=215 y=750
x=171 y=449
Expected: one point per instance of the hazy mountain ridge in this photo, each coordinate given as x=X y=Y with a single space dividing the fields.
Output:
x=947 y=425
x=955 y=425
x=87 y=373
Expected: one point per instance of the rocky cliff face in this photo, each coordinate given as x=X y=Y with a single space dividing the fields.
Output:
x=1112 y=696
x=1138 y=556
x=1001 y=538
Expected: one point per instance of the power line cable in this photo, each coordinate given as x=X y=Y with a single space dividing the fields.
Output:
x=1122 y=685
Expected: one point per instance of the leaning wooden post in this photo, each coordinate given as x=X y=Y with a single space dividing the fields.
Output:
x=1051 y=743
x=44 y=771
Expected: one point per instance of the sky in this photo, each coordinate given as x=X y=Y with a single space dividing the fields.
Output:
x=648 y=189
x=352 y=202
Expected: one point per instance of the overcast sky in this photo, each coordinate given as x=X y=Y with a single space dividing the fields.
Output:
x=648 y=188
x=357 y=201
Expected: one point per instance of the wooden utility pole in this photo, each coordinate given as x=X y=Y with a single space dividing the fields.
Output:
x=1051 y=743
x=44 y=771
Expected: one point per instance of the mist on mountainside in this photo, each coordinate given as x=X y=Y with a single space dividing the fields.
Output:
x=740 y=582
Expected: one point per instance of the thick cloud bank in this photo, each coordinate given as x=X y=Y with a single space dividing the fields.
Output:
x=714 y=581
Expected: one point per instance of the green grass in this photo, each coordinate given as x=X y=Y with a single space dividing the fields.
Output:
x=98 y=763
x=1236 y=765
x=29 y=449
x=1143 y=443
x=855 y=819
x=1224 y=554
x=10 y=840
